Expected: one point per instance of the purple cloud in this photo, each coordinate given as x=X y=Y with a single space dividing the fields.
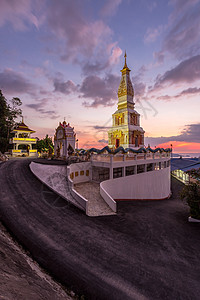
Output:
x=187 y=71
x=66 y=88
x=103 y=141
x=188 y=92
x=189 y=134
x=110 y=7
x=183 y=35
x=39 y=107
x=102 y=91
x=81 y=40
x=159 y=56
x=18 y=13
x=12 y=82
x=138 y=84
x=152 y=34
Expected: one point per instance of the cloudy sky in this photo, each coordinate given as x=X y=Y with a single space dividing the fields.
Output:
x=63 y=59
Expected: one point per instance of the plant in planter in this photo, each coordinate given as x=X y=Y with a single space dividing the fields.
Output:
x=191 y=194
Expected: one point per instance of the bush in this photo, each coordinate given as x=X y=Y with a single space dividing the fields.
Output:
x=191 y=194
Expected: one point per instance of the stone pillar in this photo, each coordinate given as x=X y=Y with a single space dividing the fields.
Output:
x=135 y=170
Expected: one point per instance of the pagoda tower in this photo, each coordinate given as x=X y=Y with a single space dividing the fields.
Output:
x=126 y=130
x=22 y=141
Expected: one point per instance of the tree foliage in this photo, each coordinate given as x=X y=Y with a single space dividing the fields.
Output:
x=191 y=194
x=44 y=144
x=8 y=114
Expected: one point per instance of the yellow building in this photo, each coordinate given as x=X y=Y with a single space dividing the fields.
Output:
x=22 y=141
x=126 y=130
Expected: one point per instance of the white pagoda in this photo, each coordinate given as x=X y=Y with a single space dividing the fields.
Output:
x=126 y=130
x=64 y=140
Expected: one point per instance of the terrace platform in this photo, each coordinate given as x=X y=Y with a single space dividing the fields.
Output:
x=96 y=204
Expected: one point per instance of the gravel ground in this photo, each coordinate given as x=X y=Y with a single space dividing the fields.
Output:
x=22 y=278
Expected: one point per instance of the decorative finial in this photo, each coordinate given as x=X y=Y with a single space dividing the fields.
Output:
x=64 y=118
x=22 y=119
x=125 y=65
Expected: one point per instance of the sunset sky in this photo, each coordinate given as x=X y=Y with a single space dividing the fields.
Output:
x=63 y=59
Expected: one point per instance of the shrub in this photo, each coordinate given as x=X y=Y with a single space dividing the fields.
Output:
x=191 y=194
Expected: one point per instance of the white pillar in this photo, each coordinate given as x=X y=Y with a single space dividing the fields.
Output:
x=111 y=166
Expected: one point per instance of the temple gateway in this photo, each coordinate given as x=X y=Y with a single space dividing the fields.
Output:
x=64 y=140
x=126 y=130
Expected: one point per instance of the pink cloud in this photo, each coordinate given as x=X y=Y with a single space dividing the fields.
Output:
x=12 y=82
x=115 y=55
x=110 y=7
x=18 y=13
x=82 y=40
x=152 y=34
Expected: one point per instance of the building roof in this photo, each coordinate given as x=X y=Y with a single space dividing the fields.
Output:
x=183 y=163
x=23 y=127
x=196 y=167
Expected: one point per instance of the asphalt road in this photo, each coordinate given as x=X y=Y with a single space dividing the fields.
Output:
x=147 y=251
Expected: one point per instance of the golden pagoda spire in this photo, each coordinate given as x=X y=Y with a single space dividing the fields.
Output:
x=125 y=68
x=125 y=65
x=125 y=87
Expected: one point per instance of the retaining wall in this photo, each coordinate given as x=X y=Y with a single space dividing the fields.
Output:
x=151 y=185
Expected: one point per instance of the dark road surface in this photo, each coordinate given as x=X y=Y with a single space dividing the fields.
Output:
x=147 y=251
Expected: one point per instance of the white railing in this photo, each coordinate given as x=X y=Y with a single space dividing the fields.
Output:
x=128 y=156
x=79 y=198
x=107 y=198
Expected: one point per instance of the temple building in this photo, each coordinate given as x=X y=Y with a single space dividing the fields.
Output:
x=22 y=141
x=126 y=130
x=64 y=140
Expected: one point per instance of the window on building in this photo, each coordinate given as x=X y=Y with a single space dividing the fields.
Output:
x=150 y=167
x=160 y=167
x=104 y=174
x=140 y=168
x=117 y=172
x=130 y=170
x=163 y=164
x=168 y=163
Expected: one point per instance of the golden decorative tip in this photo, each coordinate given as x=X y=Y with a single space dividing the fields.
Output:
x=125 y=65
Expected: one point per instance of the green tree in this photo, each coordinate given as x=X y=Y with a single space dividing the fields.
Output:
x=8 y=114
x=44 y=144
x=191 y=194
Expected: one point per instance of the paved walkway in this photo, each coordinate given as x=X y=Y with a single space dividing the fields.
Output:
x=96 y=204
